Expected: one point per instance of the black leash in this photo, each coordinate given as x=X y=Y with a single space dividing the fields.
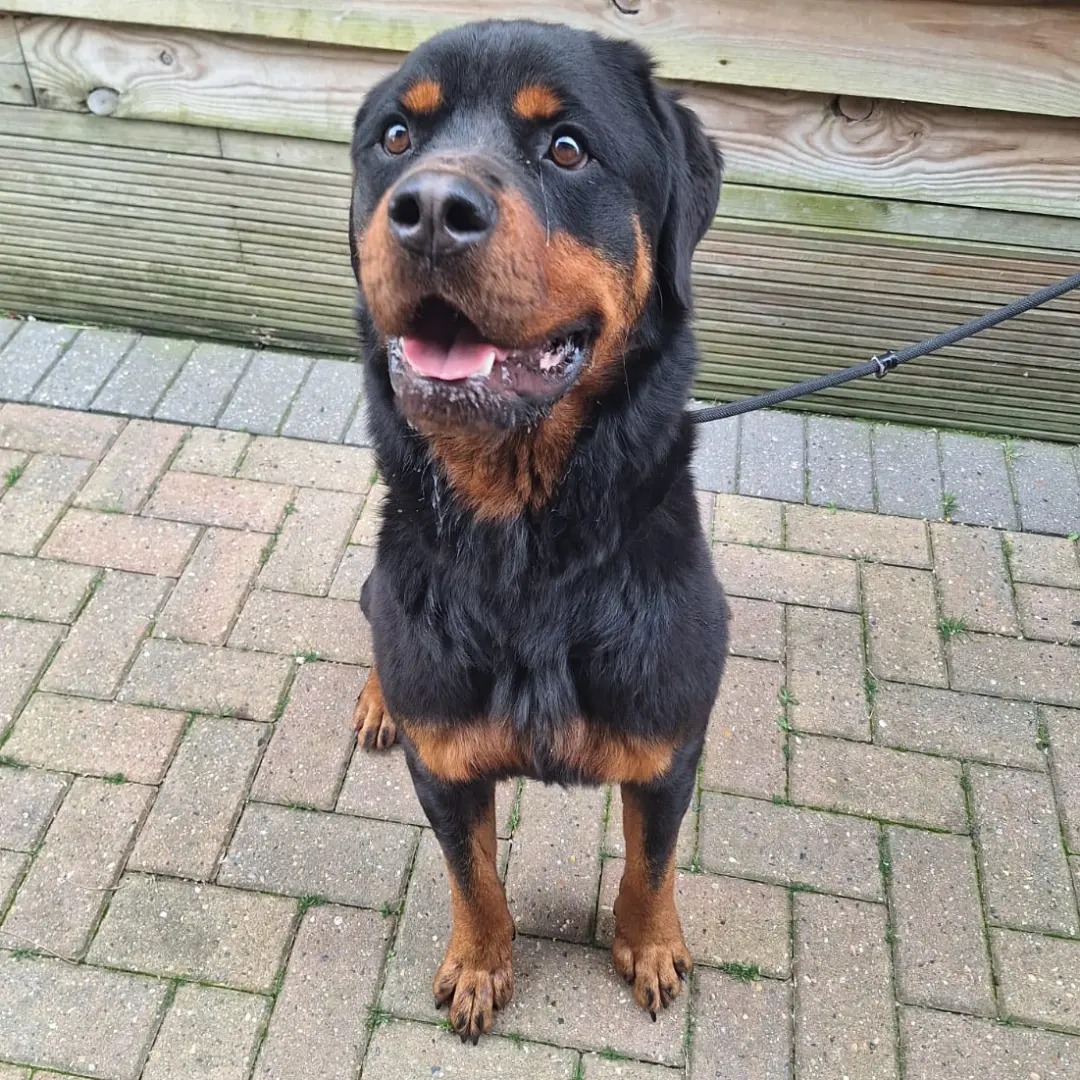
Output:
x=880 y=366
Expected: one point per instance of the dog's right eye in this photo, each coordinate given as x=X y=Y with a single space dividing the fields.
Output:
x=396 y=139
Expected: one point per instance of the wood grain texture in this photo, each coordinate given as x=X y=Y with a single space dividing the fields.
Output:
x=923 y=153
x=998 y=56
x=256 y=251
x=14 y=78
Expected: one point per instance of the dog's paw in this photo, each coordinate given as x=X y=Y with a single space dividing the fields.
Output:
x=375 y=729
x=474 y=992
x=655 y=969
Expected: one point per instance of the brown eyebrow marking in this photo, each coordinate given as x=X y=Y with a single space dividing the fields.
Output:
x=537 y=102
x=424 y=96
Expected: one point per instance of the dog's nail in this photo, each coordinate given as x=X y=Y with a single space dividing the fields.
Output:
x=652 y=1013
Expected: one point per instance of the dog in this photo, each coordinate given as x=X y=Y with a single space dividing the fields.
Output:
x=526 y=202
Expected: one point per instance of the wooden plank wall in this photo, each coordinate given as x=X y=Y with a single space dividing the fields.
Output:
x=214 y=197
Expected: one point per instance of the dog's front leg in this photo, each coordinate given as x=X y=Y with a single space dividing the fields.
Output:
x=649 y=950
x=476 y=977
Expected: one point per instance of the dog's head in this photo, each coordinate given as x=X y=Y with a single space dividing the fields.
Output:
x=526 y=199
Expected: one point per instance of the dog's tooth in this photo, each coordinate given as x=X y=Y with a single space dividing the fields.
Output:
x=489 y=364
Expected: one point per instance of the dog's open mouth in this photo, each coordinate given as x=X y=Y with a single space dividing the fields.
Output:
x=443 y=355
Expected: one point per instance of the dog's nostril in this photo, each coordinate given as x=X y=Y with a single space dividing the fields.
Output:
x=405 y=211
x=463 y=217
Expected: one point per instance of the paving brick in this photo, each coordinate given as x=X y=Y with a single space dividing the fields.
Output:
x=208 y=1034
x=724 y=920
x=313 y=740
x=289 y=623
x=326 y=402
x=873 y=781
x=12 y=866
x=359 y=433
x=938 y=1045
x=356 y=564
x=206 y=600
x=716 y=454
x=772 y=456
x=941 y=951
x=29 y=798
x=309 y=464
x=685 y=843
x=845 y=1022
x=32 y=506
x=1008 y=667
x=138 y=384
x=201 y=678
x=958 y=725
x=744 y=744
x=199 y=392
x=849 y=534
x=742 y=520
x=907 y=473
x=60 y=900
x=319 y=1026
x=554 y=870
x=56 y=431
x=132 y=466
x=367 y=527
x=207 y=450
x=785 y=845
x=25 y=647
x=97 y=738
x=975 y=474
x=39 y=589
x=1025 y=875
x=973 y=580
x=80 y=373
x=1047 y=488
x=200 y=932
x=787 y=577
x=1044 y=560
x=311 y=543
x=706 y=502
x=1049 y=614
x=401 y=1050
x=29 y=355
x=218 y=500
x=345 y=859
x=1063 y=728
x=755 y=628
x=378 y=785
x=96 y=653
x=1039 y=978
x=839 y=463
x=8 y=329
x=262 y=396
x=12 y=462
x=199 y=802
x=72 y=1017
x=604 y=1067
x=120 y=542
x=827 y=673
x=902 y=620
x=740 y=1029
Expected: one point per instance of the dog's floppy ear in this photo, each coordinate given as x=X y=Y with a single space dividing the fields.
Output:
x=693 y=191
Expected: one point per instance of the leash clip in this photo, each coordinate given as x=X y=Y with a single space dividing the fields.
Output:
x=885 y=363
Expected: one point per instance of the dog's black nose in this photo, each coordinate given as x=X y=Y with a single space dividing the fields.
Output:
x=440 y=213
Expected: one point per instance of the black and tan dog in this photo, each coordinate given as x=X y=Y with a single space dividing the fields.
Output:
x=527 y=201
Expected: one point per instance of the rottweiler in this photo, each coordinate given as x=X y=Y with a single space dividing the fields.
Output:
x=527 y=199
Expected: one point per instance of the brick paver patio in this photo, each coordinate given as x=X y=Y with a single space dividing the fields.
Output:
x=200 y=878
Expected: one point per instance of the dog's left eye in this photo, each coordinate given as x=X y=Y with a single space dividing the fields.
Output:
x=396 y=139
x=568 y=152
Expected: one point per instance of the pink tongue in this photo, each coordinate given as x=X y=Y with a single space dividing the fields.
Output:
x=465 y=356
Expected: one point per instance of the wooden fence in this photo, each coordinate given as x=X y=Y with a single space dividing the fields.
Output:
x=894 y=167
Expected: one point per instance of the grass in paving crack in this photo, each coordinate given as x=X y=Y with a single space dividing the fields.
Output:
x=743 y=972
x=948 y=505
x=377 y=1017
x=609 y=1054
x=311 y=900
x=1073 y=536
x=950 y=628
x=12 y=475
